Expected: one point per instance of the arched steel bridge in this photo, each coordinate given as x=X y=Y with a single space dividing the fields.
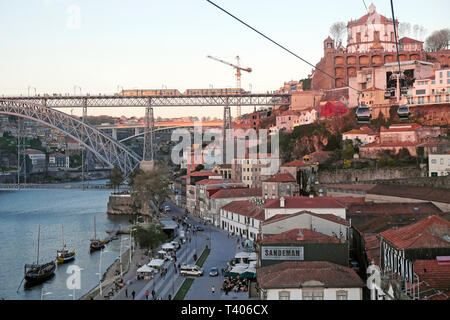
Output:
x=40 y=108
x=103 y=146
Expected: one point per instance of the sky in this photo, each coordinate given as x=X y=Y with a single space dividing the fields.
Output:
x=102 y=46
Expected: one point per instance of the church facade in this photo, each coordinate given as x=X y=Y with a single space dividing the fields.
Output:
x=370 y=43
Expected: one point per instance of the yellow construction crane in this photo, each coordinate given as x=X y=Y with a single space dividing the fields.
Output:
x=238 y=76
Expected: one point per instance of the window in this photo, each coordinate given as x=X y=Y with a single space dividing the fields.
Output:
x=284 y=295
x=448 y=74
x=422 y=91
x=440 y=74
x=312 y=294
x=442 y=161
x=341 y=295
x=433 y=161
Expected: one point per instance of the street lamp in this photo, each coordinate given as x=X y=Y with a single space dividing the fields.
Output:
x=100 y=270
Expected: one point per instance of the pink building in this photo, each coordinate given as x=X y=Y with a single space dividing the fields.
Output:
x=398 y=133
x=434 y=90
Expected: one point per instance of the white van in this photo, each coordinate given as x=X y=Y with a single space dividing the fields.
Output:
x=191 y=270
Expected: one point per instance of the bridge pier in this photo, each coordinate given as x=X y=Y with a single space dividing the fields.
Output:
x=149 y=136
x=114 y=133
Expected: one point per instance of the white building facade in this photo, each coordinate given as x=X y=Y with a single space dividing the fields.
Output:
x=438 y=165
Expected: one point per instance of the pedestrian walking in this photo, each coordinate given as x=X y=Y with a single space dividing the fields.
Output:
x=133 y=294
x=213 y=290
x=146 y=295
x=126 y=292
x=169 y=297
x=153 y=294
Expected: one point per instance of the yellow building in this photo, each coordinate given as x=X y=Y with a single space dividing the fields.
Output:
x=373 y=97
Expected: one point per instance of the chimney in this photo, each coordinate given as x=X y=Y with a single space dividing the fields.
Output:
x=282 y=202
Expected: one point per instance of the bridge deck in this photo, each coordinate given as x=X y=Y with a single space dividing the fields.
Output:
x=157 y=100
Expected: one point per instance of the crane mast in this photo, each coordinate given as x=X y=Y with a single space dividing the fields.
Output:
x=238 y=78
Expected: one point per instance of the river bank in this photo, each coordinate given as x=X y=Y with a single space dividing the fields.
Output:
x=110 y=276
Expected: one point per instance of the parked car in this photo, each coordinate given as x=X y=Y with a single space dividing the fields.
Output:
x=213 y=272
x=191 y=270
x=167 y=209
x=200 y=228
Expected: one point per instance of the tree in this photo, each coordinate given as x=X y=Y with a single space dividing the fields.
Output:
x=438 y=40
x=348 y=152
x=419 y=32
x=199 y=167
x=116 y=178
x=149 y=237
x=337 y=31
x=404 y=29
x=149 y=186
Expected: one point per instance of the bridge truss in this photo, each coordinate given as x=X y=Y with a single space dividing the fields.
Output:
x=127 y=159
x=103 y=146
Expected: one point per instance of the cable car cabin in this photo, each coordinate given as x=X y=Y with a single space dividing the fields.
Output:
x=363 y=114
x=404 y=91
x=403 y=112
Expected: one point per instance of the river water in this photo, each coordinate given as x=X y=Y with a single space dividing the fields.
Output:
x=20 y=214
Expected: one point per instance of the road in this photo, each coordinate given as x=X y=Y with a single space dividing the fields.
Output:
x=223 y=249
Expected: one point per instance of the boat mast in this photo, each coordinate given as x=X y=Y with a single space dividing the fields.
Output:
x=39 y=231
x=95 y=231
x=62 y=235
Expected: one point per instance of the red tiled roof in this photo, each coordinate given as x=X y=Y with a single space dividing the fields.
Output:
x=353 y=131
x=294 y=235
x=217 y=181
x=409 y=40
x=437 y=275
x=401 y=128
x=346 y=201
x=281 y=177
x=426 y=233
x=290 y=113
x=245 y=208
x=304 y=202
x=329 y=217
x=237 y=193
x=372 y=246
x=404 y=191
x=393 y=144
x=296 y=163
x=383 y=208
x=33 y=151
x=204 y=174
x=432 y=144
x=294 y=274
x=365 y=18
x=57 y=154
x=363 y=187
